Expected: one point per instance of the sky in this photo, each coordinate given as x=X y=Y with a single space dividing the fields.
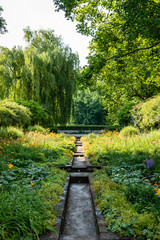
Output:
x=40 y=14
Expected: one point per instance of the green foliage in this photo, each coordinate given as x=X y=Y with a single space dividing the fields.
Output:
x=129 y=131
x=53 y=129
x=3 y=132
x=11 y=132
x=65 y=5
x=146 y=115
x=7 y=116
x=123 y=217
x=124 y=116
x=21 y=212
x=115 y=148
x=124 y=50
x=30 y=185
x=125 y=177
x=14 y=114
x=89 y=127
x=39 y=116
x=14 y=132
x=45 y=73
x=38 y=128
x=88 y=109
x=2 y=22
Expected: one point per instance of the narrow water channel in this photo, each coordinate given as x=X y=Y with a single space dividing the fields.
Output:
x=79 y=222
x=79 y=219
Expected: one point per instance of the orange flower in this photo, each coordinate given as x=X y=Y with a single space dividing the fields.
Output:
x=10 y=165
x=158 y=192
x=32 y=184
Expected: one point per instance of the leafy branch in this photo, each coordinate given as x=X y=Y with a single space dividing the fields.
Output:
x=136 y=50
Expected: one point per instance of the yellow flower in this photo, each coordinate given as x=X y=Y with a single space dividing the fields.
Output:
x=32 y=184
x=10 y=165
x=158 y=192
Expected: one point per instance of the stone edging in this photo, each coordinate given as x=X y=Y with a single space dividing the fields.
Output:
x=60 y=210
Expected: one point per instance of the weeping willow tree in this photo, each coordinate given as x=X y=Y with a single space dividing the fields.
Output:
x=44 y=72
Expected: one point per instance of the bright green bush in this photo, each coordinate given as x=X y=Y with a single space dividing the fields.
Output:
x=39 y=116
x=38 y=128
x=14 y=132
x=146 y=115
x=11 y=132
x=13 y=114
x=129 y=131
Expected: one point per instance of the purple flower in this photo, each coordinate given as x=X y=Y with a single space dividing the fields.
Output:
x=150 y=163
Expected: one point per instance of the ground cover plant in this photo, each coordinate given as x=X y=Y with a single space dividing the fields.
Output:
x=128 y=188
x=30 y=185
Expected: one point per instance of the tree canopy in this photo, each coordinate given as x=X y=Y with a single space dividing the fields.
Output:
x=125 y=47
x=44 y=72
x=2 y=22
x=87 y=109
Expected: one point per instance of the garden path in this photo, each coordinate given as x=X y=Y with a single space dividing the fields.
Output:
x=80 y=221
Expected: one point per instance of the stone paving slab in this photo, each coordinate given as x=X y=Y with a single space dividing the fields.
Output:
x=72 y=237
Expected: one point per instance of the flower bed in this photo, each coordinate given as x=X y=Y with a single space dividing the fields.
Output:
x=128 y=188
x=30 y=185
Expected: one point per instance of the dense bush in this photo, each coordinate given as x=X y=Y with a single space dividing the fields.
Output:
x=13 y=114
x=12 y=132
x=38 y=128
x=39 y=116
x=124 y=115
x=7 y=116
x=146 y=115
x=88 y=108
x=129 y=131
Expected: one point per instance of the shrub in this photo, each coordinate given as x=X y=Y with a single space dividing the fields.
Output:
x=124 y=115
x=38 y=128
x=129 y=131
x=7 y=116
x=147 y=114
x=3 y=132
x=14 y=132
x=13 y=114
x=39 y=116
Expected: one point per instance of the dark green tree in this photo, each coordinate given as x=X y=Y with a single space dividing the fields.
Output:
x=88 y=109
